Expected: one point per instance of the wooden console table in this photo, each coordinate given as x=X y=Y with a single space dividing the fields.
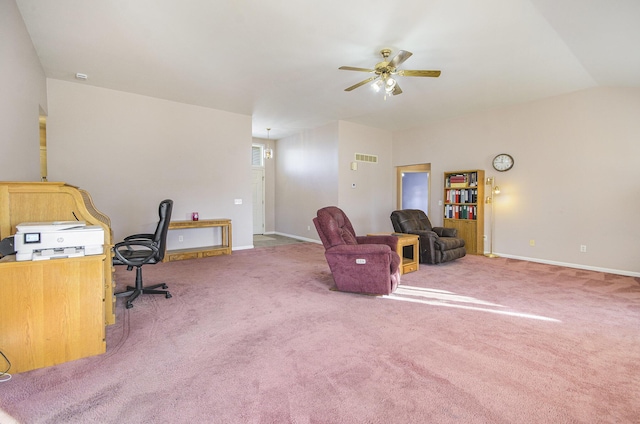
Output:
x=203 y=251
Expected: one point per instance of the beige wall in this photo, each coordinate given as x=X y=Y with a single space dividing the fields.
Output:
x=576 y=179
x=306 y=179
x=370 y=203
x=313 y=171
x=131 y=151
x=24 y=95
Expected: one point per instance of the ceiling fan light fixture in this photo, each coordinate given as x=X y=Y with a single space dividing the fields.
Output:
x=384 y=71
x=390 y=85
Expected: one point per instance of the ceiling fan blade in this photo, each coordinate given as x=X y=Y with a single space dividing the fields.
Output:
x=361 y=83
x=409 y=73
x=400 y=58
x=351 y=68
x=396 y=90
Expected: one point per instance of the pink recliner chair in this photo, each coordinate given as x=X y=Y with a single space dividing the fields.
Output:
x=359 y=264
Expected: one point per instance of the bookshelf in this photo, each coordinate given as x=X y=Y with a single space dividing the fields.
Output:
x=464 y=207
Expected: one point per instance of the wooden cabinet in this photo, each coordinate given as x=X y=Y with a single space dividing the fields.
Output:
x=464 y=207
x=52 y=311
x=224 y=248
x=56 y=201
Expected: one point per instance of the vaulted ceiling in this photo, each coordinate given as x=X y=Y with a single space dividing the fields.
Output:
x=278 y=60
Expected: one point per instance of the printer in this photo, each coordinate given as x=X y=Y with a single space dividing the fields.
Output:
x=59 y=239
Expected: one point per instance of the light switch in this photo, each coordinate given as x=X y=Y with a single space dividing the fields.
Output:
x=238 y=201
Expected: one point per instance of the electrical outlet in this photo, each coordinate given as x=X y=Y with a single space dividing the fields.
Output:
x=583 y=248
x=180 y=239
x=308 y=227
x=532 y=242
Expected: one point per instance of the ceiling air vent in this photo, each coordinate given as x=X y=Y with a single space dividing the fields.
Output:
x=361 y=157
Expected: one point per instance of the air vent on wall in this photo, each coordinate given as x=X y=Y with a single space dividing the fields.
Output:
x=361 y=157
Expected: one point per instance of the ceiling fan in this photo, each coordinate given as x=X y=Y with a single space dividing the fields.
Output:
x=385 y=72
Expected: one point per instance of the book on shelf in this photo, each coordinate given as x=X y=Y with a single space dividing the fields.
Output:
x=473 y=179
x=454 y=195
x=462 y=180
x=460 y=212
x=457 y=180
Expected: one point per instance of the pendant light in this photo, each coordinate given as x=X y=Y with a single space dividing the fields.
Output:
x=268 y=151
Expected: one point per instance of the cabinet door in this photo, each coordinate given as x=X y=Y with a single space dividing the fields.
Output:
x=55 y=313
x=467 y=230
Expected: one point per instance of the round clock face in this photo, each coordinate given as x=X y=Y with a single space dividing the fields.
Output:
x=503 y=162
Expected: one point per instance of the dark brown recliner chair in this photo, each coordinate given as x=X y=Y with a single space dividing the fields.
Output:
x=437 y=244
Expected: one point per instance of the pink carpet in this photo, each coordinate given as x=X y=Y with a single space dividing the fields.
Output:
x=258 y=337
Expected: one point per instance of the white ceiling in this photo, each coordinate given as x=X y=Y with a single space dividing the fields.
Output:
x=278 y=60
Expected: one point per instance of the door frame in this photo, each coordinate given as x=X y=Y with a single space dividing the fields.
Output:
x=261 y=171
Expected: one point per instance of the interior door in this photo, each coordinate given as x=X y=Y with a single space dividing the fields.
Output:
x=258 y=200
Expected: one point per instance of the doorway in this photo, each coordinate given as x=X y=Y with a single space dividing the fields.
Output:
x=413 y=187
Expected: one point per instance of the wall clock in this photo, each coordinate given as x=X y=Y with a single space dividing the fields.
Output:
x=503 y=162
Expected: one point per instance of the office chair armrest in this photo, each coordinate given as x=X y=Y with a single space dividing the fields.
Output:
x=139 y=260
x=140 y=236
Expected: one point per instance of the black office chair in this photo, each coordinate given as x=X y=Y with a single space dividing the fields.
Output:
x=142 y=249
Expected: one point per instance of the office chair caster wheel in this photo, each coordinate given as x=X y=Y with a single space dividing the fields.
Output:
x=168 y=296
x=164 y=286
x=129 y=305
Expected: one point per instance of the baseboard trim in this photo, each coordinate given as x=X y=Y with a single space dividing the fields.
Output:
x=503 y=255
x=570 y=265
x=298 y=237
x=242 y=247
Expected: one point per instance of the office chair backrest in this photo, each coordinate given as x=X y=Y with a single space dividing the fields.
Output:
x=160 y=236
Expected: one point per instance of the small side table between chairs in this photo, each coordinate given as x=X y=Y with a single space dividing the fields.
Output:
x=408 y=249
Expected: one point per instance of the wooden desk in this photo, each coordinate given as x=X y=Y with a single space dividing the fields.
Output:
x=408 y=249
x=52 y=310
x=56 y=201
x=204 y=251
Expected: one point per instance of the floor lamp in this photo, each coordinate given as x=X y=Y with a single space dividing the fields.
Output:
x=489 y=200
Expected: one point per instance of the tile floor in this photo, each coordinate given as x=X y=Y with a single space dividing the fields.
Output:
x=260 y=240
